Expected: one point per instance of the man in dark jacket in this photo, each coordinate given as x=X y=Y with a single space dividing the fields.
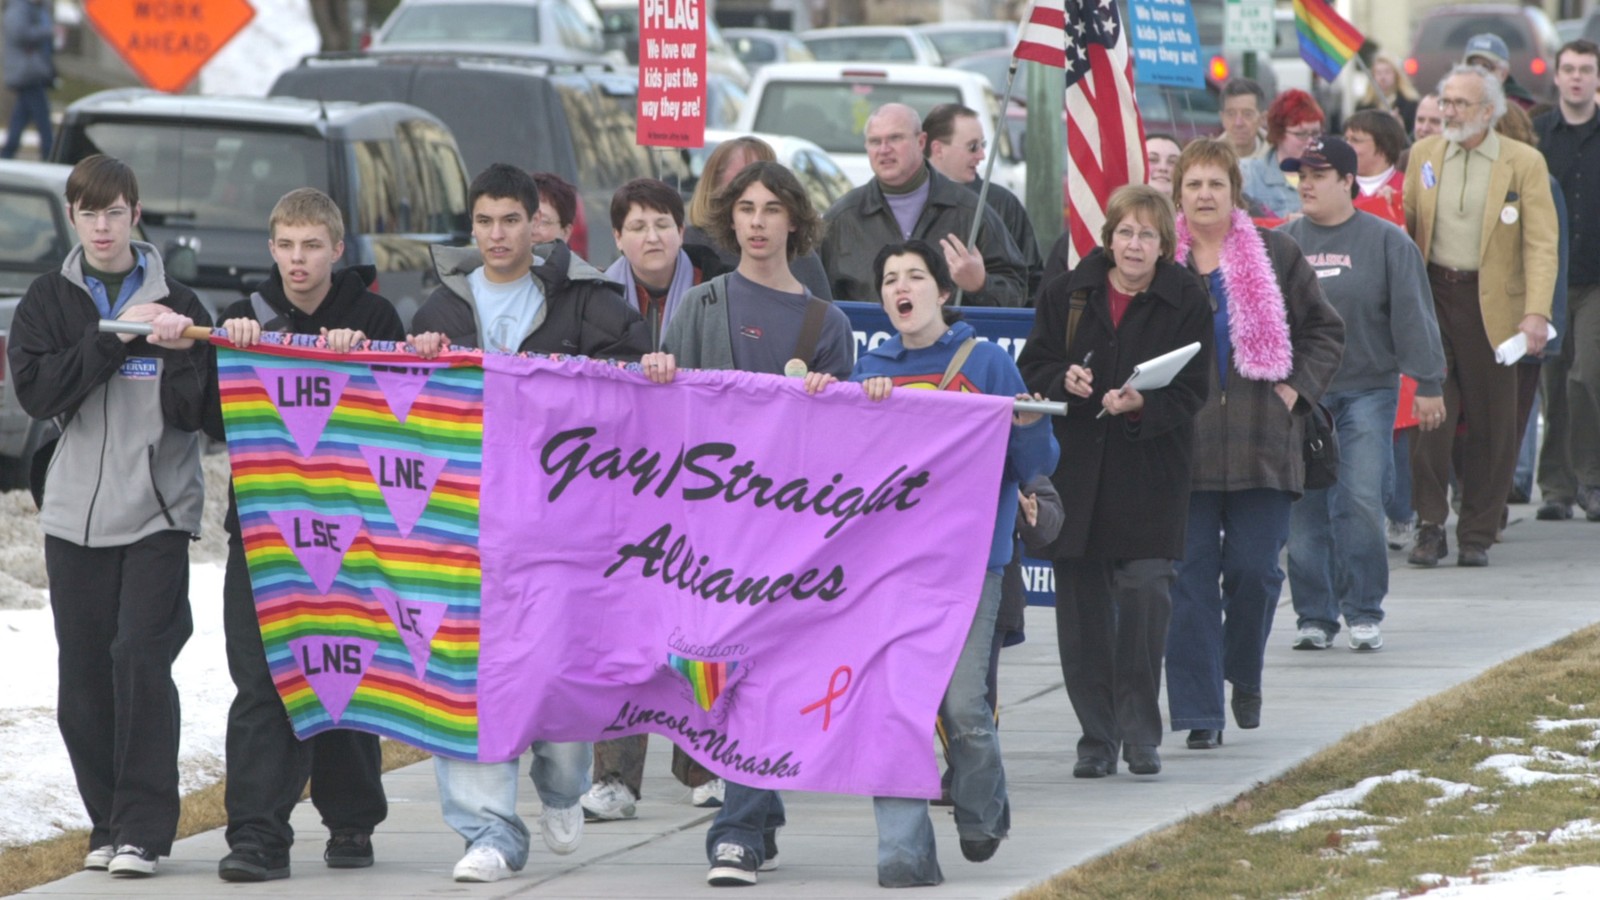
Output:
x=122 y=500
x=30 y=69
x=906 y=199
x=955 y=147
x=267 y=765
x=499 y=296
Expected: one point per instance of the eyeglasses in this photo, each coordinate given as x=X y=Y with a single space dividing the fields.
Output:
x=547 y=222
x=1305 y=134
x=1446 y=104
x=116 y=215
x=1143 y=236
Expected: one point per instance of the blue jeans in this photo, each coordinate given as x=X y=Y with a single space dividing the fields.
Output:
x=906 y=855
x=1338 y=551
x=748 y=817
x=1219 y=628
x=33 y=106
x=480 y=799
x=1522 y=481
x=1397 y=490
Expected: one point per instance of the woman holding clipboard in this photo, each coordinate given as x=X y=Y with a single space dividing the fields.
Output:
x=1124 y=475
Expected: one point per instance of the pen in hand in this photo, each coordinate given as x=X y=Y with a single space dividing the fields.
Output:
x=1086 y=357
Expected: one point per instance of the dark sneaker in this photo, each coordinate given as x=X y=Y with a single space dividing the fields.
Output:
x=1205 y=739
x=1431 y=546
x=132 y=862
x=1475 y=557
x=1589 y=500
x=735 y=866
x=348 y=849
x=252 y=862
x=981 y=850
x=769 y=851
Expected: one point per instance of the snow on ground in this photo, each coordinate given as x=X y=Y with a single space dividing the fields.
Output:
x=1342 y=804
x=38 y=797
x=1517 y=884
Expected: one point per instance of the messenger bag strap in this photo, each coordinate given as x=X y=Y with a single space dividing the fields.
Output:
x=956 y=362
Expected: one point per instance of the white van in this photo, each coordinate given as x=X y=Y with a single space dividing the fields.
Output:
x=828 y=104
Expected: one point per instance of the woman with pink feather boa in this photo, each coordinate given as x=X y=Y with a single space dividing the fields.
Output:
x=1278 y=343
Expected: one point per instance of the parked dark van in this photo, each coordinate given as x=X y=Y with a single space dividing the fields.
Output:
x=211 y=168
x=579 y=122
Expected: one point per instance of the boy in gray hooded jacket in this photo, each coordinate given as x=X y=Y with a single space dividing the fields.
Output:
x=122 y=500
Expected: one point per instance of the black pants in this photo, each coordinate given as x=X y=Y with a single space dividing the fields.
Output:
x=267 y=765
x=1111 y=625
x=121 y=616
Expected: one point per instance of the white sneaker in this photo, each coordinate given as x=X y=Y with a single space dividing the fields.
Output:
x=608 y=801
x=1366 y=636
x=562 y=829
x=1400 y=534
x=99 y=859
x=1310 y=637
x=132 y=862
x=481 y=865
x=708 y=795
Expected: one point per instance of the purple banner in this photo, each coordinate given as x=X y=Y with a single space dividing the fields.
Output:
x=778 y=582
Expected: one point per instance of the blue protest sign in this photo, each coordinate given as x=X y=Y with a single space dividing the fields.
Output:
x=1166 y=44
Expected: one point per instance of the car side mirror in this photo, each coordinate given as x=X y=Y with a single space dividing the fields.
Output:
x=181 y=262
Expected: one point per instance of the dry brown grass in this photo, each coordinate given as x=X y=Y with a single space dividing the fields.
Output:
x=58 y=857
x=1214 y=855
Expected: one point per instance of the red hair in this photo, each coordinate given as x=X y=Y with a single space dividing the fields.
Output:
x=1290 y=108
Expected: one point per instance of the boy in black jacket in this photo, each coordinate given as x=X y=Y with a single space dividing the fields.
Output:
x=267 y=765
x=122 y=500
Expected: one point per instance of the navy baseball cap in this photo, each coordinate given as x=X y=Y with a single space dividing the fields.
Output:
x=1487 y=45
x=1324 y=153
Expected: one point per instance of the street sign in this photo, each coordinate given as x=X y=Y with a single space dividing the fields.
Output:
x=1249 y=26
x=166 y=42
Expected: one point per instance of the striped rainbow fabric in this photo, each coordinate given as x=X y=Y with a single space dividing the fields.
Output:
x=1327 y=41
x=436 y=563
x=706 y=679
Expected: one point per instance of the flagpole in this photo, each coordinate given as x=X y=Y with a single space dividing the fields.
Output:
x=1383 y=102
x=988 y=166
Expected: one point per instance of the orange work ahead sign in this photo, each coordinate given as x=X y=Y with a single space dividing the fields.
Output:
x=166 y=42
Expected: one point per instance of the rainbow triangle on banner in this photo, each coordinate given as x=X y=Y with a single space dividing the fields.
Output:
x=1327 y=41
x=707 y=679
x=321 y=606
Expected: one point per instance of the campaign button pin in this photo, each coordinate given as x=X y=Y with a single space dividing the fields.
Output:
x=795 y=368
x=1508 y=215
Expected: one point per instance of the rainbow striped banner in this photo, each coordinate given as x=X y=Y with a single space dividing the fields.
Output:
x=357 y=488
x=1327 y=41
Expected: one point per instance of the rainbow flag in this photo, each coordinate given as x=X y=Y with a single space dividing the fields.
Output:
x=357 y=486
x=1327 y=41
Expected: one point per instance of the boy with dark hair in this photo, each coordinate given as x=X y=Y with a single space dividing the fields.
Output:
x=656 y=267
x=267 y=766
x=501 y=297
x=758 y=318
x=122 y=501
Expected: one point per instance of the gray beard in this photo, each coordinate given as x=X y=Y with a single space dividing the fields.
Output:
x=1465 y=133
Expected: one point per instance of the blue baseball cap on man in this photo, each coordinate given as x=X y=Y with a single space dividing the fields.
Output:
x=1487 y=46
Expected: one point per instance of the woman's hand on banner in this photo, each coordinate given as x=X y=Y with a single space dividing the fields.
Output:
x=877 y=388
x=660 y=368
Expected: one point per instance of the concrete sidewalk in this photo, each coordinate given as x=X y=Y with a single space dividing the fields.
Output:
x=1444 y=626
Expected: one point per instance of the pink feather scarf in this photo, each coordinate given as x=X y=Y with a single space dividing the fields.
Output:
x=1258 y=321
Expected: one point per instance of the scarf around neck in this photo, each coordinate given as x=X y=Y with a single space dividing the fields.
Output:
x=1258 y=319
x=682 y=280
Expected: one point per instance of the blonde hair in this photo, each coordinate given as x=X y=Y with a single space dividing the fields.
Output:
x=1402 y=82
x=307 y=206
x=1141 y=201
x=705 y=190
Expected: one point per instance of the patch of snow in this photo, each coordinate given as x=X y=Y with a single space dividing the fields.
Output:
x=1342 y=804
x=1513 y=767
x=1518 y=884
x=1572 y=832
x=1545 y=725
x=38 y=796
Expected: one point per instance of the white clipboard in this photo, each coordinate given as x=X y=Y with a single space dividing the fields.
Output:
x=1157 y=373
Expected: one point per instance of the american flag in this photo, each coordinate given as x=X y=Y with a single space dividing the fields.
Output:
x=1105 y=137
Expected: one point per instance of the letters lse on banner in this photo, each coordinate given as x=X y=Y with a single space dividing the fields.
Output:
x=560 y=550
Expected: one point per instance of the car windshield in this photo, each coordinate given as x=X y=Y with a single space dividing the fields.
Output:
x=31 y=242
x=874 y=48
x=956 y=44
x=211 y=177
x=833 y=114
x=489 y=23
